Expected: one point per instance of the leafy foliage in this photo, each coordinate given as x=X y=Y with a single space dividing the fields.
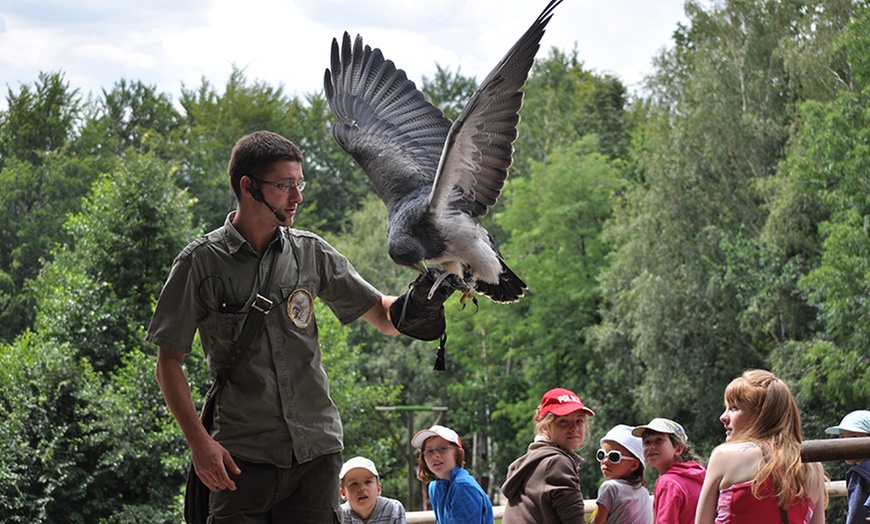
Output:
x=46 y=409
x=99 y=291
x=39 y=182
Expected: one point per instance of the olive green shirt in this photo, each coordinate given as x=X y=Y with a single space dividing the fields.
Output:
x=275 y=403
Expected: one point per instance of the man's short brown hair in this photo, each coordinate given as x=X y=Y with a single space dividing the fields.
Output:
x=254 y=155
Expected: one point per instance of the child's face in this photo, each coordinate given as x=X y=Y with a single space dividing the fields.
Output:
x=659 y=451
x=844 y=433
x=440 y=456
x=624 y=468
x=569 y=431
x=361 y=489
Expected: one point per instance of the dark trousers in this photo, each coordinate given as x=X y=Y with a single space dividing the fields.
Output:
x=266 y=494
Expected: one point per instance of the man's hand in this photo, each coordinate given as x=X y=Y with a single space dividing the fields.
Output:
x=210 y=460
x=419 y=312
x=212 y=463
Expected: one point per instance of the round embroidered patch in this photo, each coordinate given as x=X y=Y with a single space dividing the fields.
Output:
x=299 y=308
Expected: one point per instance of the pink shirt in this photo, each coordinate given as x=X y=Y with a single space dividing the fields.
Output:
x=677 y=492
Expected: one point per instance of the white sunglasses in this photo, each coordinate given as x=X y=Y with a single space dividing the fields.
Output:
x=615 y=456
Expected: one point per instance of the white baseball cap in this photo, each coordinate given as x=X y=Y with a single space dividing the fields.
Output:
x=435 y=431
x=357 y=462
x=663 y=425
x=856 y=421
x=621 y=434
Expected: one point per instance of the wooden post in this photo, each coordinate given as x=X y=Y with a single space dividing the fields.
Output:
x=408 y=450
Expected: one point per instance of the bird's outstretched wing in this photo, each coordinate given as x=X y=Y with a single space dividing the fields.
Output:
x=435 y=177
x=383 y=121
x=479 y=147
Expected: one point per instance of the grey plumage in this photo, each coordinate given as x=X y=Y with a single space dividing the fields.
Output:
x=434 y=177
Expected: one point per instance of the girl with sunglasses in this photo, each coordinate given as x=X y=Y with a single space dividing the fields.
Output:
x=542 y=486
x=623 y=497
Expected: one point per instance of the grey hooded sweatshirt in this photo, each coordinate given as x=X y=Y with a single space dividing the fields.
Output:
x=542 y=487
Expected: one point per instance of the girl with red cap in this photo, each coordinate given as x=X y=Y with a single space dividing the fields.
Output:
x=542 y=486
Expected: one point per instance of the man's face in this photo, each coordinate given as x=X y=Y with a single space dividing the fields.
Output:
x=281 y=190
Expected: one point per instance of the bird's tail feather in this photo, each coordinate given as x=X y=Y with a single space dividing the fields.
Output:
x=510 y=287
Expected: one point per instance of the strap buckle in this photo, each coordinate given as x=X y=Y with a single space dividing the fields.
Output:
x=262 y=304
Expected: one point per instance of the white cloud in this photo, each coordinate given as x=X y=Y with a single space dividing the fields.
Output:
x=170 y=42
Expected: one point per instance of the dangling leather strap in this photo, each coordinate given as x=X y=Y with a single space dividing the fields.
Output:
x=260 y=307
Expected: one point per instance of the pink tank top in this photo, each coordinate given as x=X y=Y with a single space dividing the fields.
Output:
x=737 y=505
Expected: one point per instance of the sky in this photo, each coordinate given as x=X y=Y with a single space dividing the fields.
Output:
x=172 y=44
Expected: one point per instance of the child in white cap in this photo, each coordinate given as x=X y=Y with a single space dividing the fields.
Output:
x=856 y=424
x=622 y=498
x=360 y=488
x=666 y=448
x=455 y=496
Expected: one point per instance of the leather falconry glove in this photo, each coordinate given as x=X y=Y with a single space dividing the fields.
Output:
x=419 y=312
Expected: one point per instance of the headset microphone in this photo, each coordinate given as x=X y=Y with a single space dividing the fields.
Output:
x=258 y=196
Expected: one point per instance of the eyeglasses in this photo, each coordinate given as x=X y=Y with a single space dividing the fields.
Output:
x=286 y=188
x=440 y=450
x=615 y=456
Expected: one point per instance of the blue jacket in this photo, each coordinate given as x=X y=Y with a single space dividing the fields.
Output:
x=460 y=500
x=857 y=490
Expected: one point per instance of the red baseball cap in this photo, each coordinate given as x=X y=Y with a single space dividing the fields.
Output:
x=560 y=402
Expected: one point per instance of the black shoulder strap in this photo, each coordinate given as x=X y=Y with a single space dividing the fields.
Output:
x=254 y=322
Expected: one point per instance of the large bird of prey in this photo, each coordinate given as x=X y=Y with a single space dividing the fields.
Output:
x=435 y=177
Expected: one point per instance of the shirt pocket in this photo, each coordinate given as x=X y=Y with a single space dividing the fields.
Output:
x=224 y=328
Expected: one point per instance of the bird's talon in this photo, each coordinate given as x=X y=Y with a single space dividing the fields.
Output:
x=437 y=283
x=467 y=294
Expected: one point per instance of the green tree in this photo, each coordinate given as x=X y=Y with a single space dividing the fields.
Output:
x=40 y=182
x=338 y=187
x=356 y=397
x=686 y=264
x=564 y=103
x=130 y=115
x=99 y=291
x=448 y=91
x=824 y=178
x=40 y=118
x=214 y=122
x=109 y=449
x=554 y=222
x=46 y=409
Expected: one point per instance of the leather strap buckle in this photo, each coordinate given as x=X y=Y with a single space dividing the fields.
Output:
x=262 y=304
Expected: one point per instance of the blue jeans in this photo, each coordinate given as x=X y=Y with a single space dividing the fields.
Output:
x=266 y=494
